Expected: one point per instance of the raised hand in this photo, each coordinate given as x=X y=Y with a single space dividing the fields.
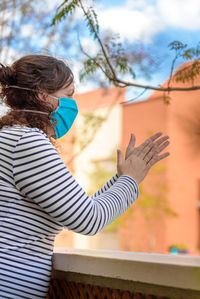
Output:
x=139 y=160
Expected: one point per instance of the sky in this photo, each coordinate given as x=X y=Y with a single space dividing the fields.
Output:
x=153 y=23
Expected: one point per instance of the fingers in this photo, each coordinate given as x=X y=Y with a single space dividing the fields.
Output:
x=162 y=156
x=150 y=145
x=146 y=150
x=161 y=140
x=149 y=141
x=162 y=147
x=155 y=136
x=155 y=159
x=155 y=151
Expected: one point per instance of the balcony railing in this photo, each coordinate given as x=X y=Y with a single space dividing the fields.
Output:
x=95 y=274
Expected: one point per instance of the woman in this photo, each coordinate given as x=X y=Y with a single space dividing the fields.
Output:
x=39 y=196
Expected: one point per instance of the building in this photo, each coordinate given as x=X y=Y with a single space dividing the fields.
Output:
x=167 y=212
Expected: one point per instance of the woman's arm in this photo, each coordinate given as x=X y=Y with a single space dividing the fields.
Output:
x=106 y=186
x=41 y=175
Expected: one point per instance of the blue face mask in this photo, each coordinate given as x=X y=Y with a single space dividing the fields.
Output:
x=65 y=114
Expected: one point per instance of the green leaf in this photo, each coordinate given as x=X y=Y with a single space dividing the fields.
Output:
x=188 y=73
x=68 y=9
x=177 y=45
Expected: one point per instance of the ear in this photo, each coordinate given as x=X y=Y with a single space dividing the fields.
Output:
x=42 y=97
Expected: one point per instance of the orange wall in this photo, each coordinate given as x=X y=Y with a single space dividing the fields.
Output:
x=181 y=175
x=170 y=184
x=98 y=98
x=184 y=167
x=139 y=232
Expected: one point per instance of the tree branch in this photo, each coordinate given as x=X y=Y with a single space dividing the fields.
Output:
x=117 y=81
x=88 y=56
x=135 y=98
x=158 y=88
x=172 y=68
x=109 y=70
x=99 y=40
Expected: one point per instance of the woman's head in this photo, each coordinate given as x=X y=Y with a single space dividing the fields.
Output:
x=43 y=75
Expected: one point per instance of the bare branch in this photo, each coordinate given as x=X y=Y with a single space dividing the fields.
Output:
x=158 y=88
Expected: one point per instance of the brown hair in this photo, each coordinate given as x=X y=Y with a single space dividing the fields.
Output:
x=39 y=73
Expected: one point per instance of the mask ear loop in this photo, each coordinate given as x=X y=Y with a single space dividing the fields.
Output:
x=25 y=88
x=50 y=117
x=34 y=111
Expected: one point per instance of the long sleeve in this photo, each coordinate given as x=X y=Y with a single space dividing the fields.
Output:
x=40 y=175
x=106 y=186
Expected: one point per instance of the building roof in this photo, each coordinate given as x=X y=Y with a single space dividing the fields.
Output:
x=99 y=98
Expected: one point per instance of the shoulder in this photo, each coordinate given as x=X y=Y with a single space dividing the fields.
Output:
x=26 y=135
x=24 y=131
x=32 y=141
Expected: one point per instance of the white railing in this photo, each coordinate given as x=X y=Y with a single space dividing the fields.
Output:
x=158 y=274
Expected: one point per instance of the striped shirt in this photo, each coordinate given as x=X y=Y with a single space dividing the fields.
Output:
x=38 y=198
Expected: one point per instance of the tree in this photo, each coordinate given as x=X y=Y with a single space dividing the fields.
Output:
x=24 y=29
x=112 y=59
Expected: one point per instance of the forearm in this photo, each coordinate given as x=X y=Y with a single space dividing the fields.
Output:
x=105 y=208
x=106 y=186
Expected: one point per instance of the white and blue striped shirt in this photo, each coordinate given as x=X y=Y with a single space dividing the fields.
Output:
x=38 y=198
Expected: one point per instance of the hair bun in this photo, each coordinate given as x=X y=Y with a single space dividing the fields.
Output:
x=6 y=75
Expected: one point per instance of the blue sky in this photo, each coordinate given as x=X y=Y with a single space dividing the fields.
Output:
x=154 y=23
x=160 y=44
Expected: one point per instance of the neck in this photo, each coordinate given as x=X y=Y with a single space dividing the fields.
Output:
x=51 y=131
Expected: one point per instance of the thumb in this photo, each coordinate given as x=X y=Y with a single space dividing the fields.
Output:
x=120 y=157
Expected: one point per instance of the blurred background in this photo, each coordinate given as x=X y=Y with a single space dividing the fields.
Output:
x=166 y=216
